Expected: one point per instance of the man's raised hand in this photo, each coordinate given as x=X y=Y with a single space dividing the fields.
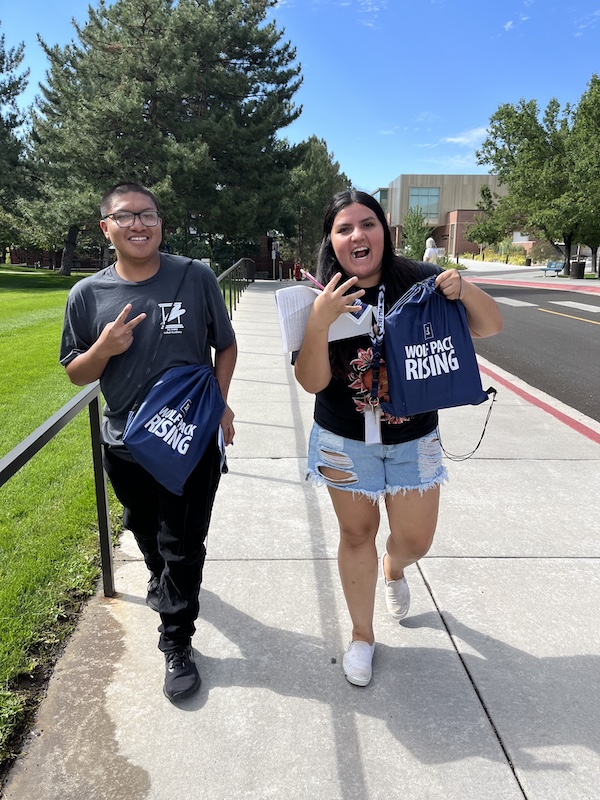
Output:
x=117 y=336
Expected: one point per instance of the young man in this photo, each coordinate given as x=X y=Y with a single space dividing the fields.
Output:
x=111 y=329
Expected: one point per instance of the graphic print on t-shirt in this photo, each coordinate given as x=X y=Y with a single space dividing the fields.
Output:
x=361 y=379
x=171 y=316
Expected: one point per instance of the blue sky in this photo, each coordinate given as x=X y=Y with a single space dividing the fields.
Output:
x=396 y=86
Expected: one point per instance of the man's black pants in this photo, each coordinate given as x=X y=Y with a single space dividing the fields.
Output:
x=170 y=531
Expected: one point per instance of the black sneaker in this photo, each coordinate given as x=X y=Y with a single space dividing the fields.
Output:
x=153 y=596
x=181 y=677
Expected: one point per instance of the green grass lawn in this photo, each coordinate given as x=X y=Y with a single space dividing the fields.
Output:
x=49 y=560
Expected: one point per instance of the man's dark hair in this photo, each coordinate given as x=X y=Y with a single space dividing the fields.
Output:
x=120 y=189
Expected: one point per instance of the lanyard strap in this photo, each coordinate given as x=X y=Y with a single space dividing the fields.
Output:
x=163 y=326
x=377 y=341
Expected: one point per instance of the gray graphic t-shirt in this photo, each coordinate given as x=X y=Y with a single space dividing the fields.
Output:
x=196 y=321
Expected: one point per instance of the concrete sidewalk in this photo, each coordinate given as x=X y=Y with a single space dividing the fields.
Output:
x=533 y=277
x=488 y=690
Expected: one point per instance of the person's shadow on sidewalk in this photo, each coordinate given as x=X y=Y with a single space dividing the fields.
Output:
x=414 y=688
x=550 y=701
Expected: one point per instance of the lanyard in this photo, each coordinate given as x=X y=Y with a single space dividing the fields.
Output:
x=377 y=341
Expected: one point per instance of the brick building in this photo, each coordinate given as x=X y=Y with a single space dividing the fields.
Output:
x=449 y=203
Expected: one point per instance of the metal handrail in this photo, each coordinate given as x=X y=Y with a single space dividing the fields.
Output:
x=25 y=450
x=234 y=280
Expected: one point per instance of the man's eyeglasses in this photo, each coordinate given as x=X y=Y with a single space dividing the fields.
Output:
x=125 y=219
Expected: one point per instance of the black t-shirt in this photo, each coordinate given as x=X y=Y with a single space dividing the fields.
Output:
x=339 y=407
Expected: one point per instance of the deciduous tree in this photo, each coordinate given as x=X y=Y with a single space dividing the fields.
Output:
x=586 y=166
x=495 y=219
x=415 y=233
x=532 y=153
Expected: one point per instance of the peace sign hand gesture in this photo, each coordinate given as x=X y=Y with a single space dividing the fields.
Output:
x=117 y=336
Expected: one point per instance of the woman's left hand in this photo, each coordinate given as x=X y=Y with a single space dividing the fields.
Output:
x=450 y=284
x=483 y=315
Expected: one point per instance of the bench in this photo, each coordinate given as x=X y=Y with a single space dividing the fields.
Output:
x=553 y=266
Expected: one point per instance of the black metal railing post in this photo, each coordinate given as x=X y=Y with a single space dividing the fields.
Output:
x=32 y=444
x=106 y=551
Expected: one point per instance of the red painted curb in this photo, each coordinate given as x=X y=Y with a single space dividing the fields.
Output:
x=566 y=287
x=579 y=427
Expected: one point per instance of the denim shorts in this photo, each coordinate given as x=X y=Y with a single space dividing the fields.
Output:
x=375 y=469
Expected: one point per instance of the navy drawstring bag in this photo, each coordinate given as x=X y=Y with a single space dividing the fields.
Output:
x=430 y=358
x=170 y=431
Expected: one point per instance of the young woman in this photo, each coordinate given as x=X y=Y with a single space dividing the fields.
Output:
x=405 y=469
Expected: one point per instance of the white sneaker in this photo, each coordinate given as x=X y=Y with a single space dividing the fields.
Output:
x=357 y=662
x=397 y=595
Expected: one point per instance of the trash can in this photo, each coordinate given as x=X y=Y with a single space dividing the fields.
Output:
x=577 y=269
x=250 y=270
x=527 y=262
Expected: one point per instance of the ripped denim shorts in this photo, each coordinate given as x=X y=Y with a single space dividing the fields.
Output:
x=375 y=469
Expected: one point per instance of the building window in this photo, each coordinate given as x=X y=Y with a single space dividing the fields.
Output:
x=427 y=199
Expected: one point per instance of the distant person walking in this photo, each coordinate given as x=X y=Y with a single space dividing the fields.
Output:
x=431 y=253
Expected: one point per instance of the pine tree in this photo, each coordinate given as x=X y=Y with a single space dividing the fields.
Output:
x=313 y=182
x=12 y=177
x=185 y=98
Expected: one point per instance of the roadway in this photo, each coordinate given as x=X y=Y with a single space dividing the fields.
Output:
x=551 y=340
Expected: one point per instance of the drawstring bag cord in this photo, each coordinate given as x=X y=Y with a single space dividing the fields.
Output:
x=452 y=456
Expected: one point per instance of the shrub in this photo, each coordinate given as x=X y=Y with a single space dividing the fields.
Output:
x=544 y=251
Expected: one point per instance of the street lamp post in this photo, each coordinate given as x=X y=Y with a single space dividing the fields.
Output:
x=274 y=254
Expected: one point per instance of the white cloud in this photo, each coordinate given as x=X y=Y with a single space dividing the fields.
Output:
x=523 y=17
x=457 y=163
x=469 y=138
x=369 y=10
x=587 y=22
x=426 y=117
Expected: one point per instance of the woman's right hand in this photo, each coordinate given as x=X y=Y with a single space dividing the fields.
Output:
x=312 y=367
x=333 y=300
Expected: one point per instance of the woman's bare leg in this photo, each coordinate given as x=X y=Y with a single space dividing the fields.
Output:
x=358 y=519
x=413 y=518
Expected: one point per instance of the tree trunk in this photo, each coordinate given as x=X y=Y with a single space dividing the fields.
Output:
x=211 y=251
x=66 y=262
x=568 y=244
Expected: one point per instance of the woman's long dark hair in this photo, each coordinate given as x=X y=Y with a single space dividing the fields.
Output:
x=398 y=274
